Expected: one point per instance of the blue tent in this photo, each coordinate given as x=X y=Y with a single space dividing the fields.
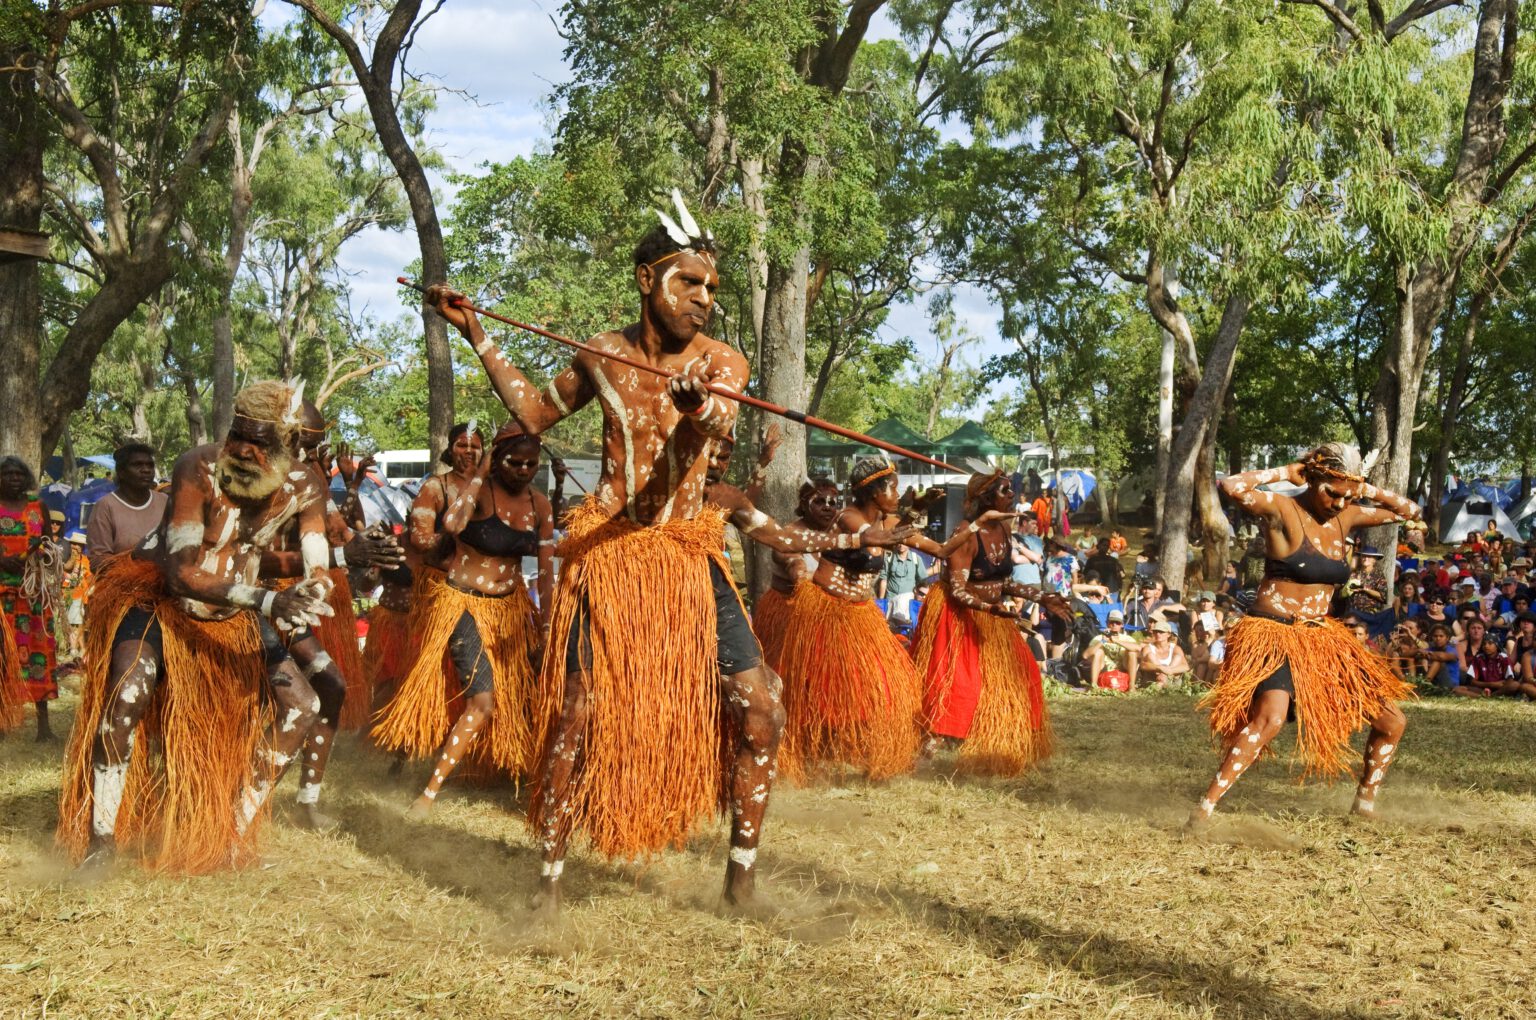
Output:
x=77 y=509
x=1075 y=486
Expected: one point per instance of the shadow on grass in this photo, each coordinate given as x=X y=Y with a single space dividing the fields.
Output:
x=1178 y=978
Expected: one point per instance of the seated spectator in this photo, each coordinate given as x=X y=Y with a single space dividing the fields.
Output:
x=1162 y=663
x=1147 y=561
x=1442 y=661
x=1113 y=649
x=1434 y=611
x=1090 y=590
x=1491 y=672
x=1522 y=639
x=1060 y=568
x=1209 y=650
x=1206 y=603
x=1521 y=569
x=1404 y=646
x=1117 y=543
x=1407 y=603
x=1230 y=582
x=1474 y=630
x=1141 y=613
x=1103 y=562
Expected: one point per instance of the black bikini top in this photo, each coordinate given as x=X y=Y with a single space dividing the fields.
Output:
x=856 y=561
x=1307 y=566
x=984 y=568
x=400 y=576
x=495 y=537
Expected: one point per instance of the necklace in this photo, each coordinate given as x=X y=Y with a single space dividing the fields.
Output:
x=142 y=506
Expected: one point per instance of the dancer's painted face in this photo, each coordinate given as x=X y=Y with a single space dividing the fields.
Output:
x=465 y=452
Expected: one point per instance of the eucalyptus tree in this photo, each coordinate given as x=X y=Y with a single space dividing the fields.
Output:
x=118 y=107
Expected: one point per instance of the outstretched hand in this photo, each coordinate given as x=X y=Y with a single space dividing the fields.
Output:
x=689 y=389
x=878 y=536
x=449 y=303
x=375 y=547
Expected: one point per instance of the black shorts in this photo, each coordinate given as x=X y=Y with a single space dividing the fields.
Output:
x=736 y=649
x=1280 y=680
x=143 y=627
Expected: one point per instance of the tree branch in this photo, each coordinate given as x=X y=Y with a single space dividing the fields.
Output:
x=1337 y=16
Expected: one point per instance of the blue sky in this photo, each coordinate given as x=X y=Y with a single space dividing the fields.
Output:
x=508 y=57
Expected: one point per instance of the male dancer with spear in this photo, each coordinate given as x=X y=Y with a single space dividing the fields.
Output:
x=647 y=632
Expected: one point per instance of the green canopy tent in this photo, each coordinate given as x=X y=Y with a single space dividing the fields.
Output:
x=971 y=440
x=824 y=444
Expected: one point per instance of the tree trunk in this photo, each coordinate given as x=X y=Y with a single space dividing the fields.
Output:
x=1215 y=531
x=197 y=419
x=1200 y=415
x=21 y=206
x=1450 y=413
x=1164 y=429
x=782 y=360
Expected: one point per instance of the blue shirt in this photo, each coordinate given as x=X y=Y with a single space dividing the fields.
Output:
x=1029 y=573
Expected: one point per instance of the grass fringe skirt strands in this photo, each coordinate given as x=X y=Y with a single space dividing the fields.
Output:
x=769 y=618
x=850 y=691
x=650 y=763
x=424 y=708
x=194 y=746
x=1340 y=687
x=387 y=652
x=13 y=701
x=982 y=685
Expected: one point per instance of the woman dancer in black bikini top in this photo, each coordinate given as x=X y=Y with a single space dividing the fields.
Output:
x=1308 y=662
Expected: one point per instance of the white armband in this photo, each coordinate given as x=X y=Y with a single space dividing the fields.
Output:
x=339 y=555
x=973 y=528
x=266 y=602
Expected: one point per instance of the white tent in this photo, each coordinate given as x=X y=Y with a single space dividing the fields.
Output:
x=1523 y=514
x=1461 y=516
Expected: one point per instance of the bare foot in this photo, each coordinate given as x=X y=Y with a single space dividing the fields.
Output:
x=739 y=897
x=1197 y=825
x=1363 y=808
x=420 y=809
x=100 y=859
x=309 y=816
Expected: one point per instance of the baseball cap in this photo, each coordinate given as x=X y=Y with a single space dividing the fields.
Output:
x=1116 y=616
x=1207 y=596
x=1161 y=627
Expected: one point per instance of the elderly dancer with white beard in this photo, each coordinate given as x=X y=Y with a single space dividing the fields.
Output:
x=183 y=646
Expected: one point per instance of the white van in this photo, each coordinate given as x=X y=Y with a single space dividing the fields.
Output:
x=403 y=465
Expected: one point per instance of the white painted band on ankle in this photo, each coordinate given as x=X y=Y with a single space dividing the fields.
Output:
x=551 y=869
x=746 y=858
x=308 y=794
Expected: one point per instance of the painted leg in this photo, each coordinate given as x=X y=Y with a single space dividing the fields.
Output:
x=326 y=680
x=1265 y=720
x=755 y=698
x=477 y=712
x=295 y=707
x=1380 y=748
x=135 y=672
x=561 y=759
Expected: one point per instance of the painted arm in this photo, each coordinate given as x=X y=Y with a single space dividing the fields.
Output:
x=764 y=530
x=1392 y=507
x=960 y=579
x=463 y=506
x=772 y=437
x=423 y=534
x=537 y=409
x=1244 y=488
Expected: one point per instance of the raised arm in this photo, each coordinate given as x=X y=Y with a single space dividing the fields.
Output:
x=1244 y=488
x=1392 y=508
x=536 y=409
x=463 y=506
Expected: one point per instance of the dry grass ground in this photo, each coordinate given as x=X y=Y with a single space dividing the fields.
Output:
x=1067 y=894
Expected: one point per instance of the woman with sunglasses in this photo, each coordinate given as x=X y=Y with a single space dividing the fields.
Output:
x=1287 y=658
x=481 y=616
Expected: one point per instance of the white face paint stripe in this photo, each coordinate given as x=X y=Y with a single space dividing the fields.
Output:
x=618 y=412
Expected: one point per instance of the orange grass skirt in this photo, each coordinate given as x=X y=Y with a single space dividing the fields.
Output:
x=650 y=764
x=1010 y=728
x=425 y=707
x=387 y=652
x=13 y=697
x=1340 y=686
x=194 y=746
x=850 y=691
x=770 y=616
